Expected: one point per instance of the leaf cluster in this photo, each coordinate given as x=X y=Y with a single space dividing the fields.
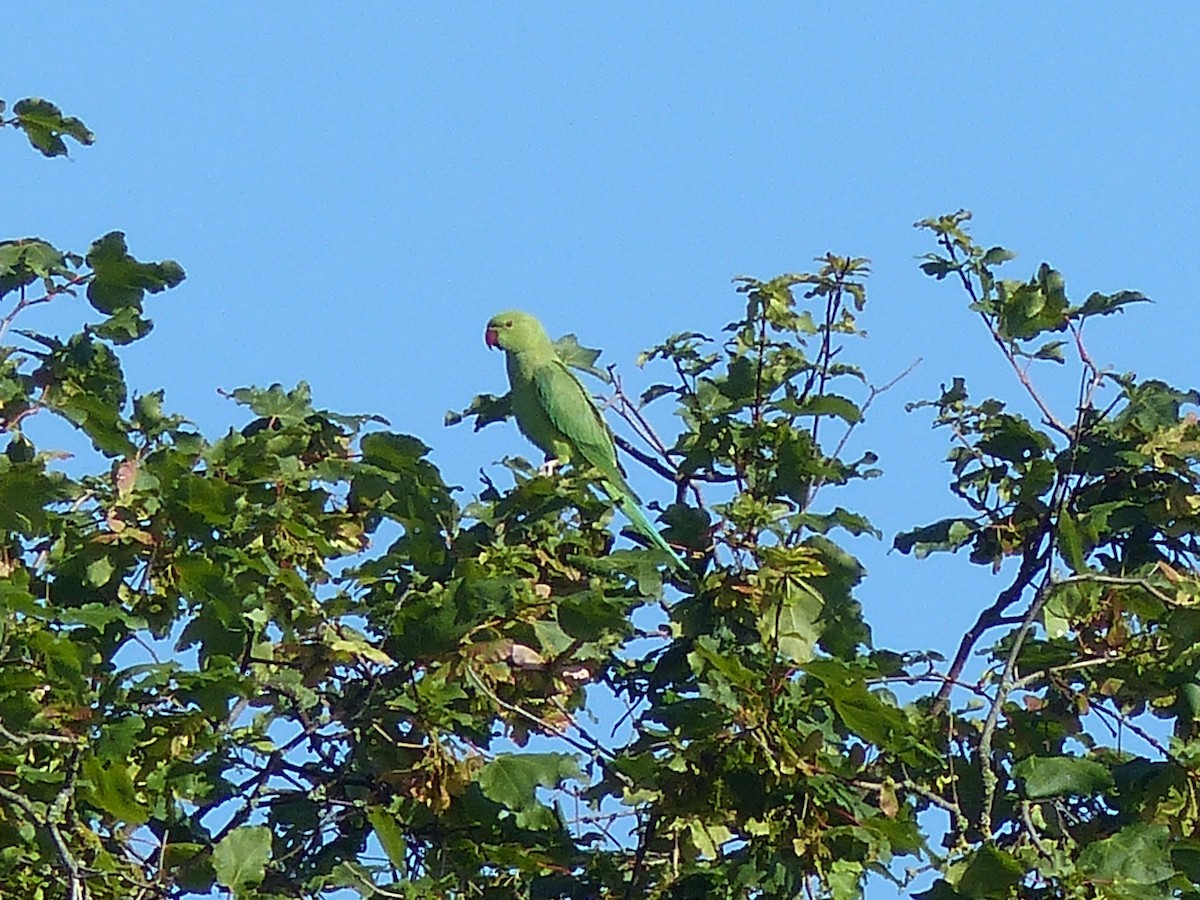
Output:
x=291 y=661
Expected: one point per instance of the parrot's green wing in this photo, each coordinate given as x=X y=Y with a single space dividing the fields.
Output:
x=571 y=411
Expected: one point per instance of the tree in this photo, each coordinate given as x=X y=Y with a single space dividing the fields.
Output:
x=287 y=661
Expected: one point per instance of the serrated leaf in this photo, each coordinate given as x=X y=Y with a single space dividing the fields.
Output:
x=120 y=281
x=1106 y=304
x=512 y=781
x=485 y=409
x=1057 y=776
x=241 y=857
x=99 y=572
x=1070 y=542
x=287 y=407
x=571 y=352
x=391 y=836
x=1137 y=854
x=991 y=874
x=45 y=126
x=112 y=790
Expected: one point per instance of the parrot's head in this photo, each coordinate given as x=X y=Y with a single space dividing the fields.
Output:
x=514 y=330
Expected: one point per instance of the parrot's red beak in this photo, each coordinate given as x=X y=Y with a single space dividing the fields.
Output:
x=490 y=338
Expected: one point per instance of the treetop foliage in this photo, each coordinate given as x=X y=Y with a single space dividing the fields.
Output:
x=291 y=661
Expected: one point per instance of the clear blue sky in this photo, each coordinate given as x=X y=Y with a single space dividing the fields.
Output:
x=354 y=189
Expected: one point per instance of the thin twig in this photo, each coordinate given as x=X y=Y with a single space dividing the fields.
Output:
x=841 y=444
x=76 y=888
x=595 y=751
x=1031 y=561
x=969 y=286
x=1142 y=583
x=23 y=303
x=1025 y=681
x=40 y=737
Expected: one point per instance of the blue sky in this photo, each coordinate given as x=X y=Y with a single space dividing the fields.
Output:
x=355 y=189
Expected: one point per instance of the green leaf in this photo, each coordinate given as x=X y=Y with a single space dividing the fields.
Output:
x=1029 y=309
x=118 y=737
x=845 y=879
x=98 y=418
x=551 y=638
x=948 y=534
x=579 y=357
x=274 y=403
x=512 y=781
x=45 y=126
x=391 y=836
x=995 y=256
x=708 y=838
x=392 y=452
x=941 y=890
x=792 y=627
x=1106 y=304
x=825 y=405
x=485 y=408
x=1056 y=776
x=100 y=572
x=120 y=281
x=26 y=491
x=112 y=790
x=209 y=497
x=822 y=523
x=22 y=262
x=863 y=712
x=123 y=327
x=1137 y=854
x=240 y=859
x=1051 y=350
x=1070 y=541
x=991 y=873
x=1014 y=439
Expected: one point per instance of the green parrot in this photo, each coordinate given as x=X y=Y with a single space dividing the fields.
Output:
x=555 y=411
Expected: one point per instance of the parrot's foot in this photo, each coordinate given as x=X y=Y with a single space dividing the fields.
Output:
x=547 y=468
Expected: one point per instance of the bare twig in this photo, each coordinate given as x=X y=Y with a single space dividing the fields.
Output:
x=1032 y=831
x=841 y=444
x=1025 y=681
x=969 y=286
x=1142 y=583
x=1032 y=559
x=24 y=303
x=913 y=788
x=35 y=738
x=1126 y=722
x=76 y=888
x=596 y=750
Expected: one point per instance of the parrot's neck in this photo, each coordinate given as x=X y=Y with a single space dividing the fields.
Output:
x=523 y=363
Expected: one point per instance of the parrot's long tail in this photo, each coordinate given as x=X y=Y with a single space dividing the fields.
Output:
x=643 y=526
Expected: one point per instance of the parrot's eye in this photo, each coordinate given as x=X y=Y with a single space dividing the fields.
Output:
x=508 y=324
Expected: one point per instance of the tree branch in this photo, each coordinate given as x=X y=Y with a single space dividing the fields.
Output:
x=1031 y=561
